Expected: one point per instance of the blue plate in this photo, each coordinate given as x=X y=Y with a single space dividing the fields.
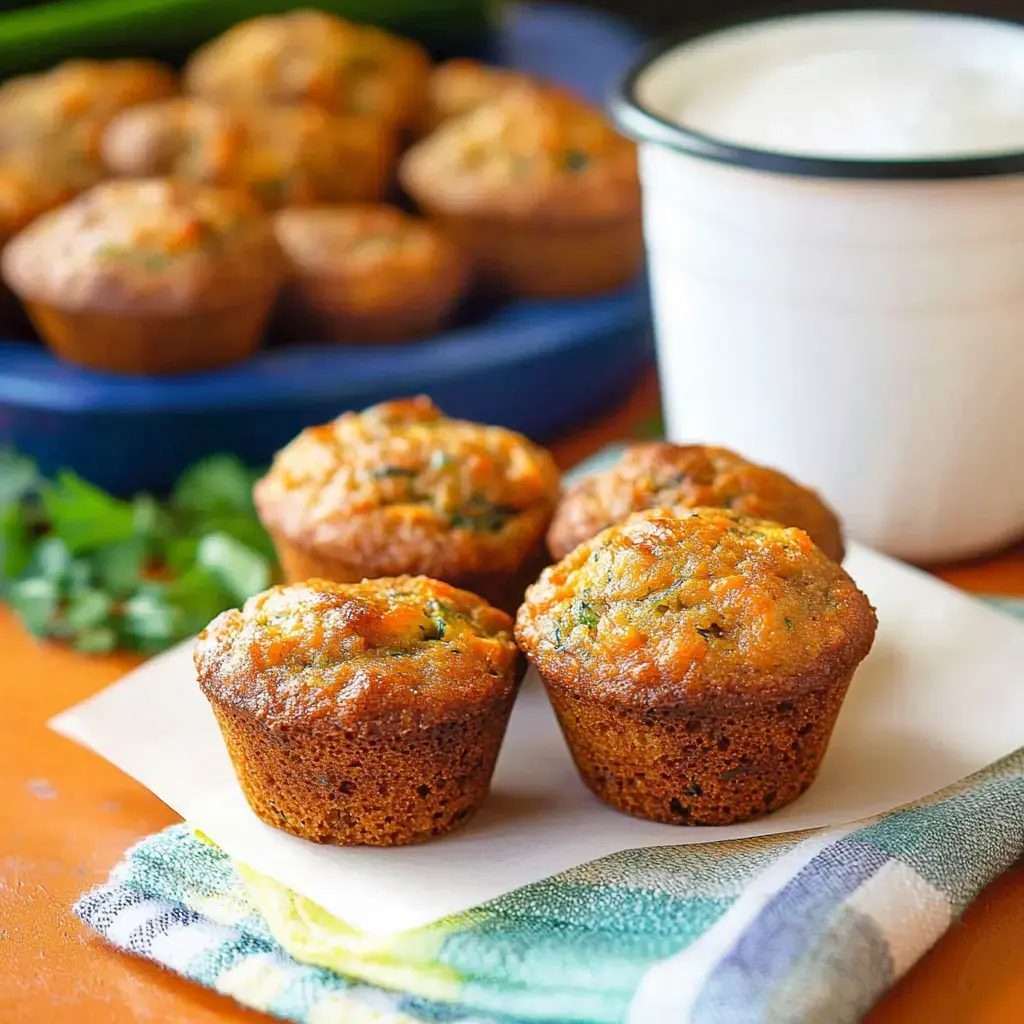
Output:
x=537 y=367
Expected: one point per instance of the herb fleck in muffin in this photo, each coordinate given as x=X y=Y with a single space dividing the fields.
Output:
x=401 y=489
x=459 y=86
x=284 y=156
x=148 y=276
x=366 y=273
x=696 y=660
x=662 y=474
x=539 y=188
x=364 y=712
x=311 y=57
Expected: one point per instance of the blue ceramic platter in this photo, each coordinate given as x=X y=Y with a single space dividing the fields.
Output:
x=537 y=367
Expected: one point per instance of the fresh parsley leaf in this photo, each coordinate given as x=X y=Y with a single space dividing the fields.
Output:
x=96 y=640
x=15 y=543
x=19 y=478
x=217 y=483
x=149 y=619
x=240 y=570
x=87 y=609
x=83 y=516
x=36 y=602
x=120 y=567
x=81 y=566
x=52 y=559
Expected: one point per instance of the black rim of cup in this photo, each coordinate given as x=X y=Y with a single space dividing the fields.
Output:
x=644 y=125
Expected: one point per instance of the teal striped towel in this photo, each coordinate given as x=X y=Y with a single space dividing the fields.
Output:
x=809 y=927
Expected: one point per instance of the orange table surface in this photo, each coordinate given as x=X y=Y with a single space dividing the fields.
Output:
x=66 y=816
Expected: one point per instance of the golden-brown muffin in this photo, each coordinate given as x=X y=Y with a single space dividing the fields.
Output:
x=661 y=474
x=284 y=156
x=25 y=193
x=35 y=107
x=366 y=273
x=459 y=86
x=401 y=489
x=148 y=276
x=309 y=56
x=59 y=115
x=539 y=188
x=696 y=660
x=364 y=712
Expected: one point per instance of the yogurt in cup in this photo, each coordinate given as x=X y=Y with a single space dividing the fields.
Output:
x=834 y=219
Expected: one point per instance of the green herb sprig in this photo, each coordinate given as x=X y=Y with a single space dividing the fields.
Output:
x=80 y=566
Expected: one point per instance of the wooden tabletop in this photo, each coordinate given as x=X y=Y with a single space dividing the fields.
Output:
x=66 y=816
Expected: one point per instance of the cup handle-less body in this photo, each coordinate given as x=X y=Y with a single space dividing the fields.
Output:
x=865 y=336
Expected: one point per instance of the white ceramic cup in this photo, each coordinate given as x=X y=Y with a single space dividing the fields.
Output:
x=858 y=324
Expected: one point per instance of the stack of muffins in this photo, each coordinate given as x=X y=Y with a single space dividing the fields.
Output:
x=696 y=637
x=527 y=191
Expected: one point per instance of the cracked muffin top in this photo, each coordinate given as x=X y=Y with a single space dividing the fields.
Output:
x=663 y=474
x=359 y=240
x=309 y=56
x=459 y=86
x=284 y=156
x=38 y=107
x=401 y=484
x=346 y=651
x=533 y=151
x=149 y=246
x=699 y=603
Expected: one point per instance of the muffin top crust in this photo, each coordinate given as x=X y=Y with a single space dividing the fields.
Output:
x=696 y=603
x=459 y=86
x=663 y=474
x=347 y=651
x=363 y=239
x=24 y=194
x=310 y=56
x=281 y=155
x=148 y=246
x=401 y=484
x=533 y=151
x=37 y=107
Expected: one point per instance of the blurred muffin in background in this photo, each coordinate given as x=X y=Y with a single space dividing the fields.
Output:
x=366 y=273
x=148 y=276
x=539 y=188
x=25 y=193
x=281 y=155
x=57 y=118
x=459 y=86
x=402 y=489
x=309 y=56
x=663 y=474
x=36 y=106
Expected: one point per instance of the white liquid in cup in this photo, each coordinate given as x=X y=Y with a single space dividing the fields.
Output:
x=876 y=87
x=865 y=336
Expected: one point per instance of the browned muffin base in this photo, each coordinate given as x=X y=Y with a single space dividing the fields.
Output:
x=539 y=260
x=153 y=345
x=310 y=309
x=374 y=784
x=685 y=767
x=504 y=590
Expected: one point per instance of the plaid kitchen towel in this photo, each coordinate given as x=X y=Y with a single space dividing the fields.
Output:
x=809 y=927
